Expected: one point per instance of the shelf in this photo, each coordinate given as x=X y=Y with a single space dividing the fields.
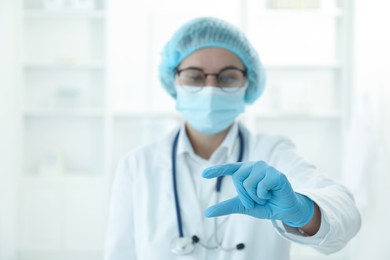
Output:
x=64 y=64
x=300 y=12
x=85 y=14
x=296 y=115
x=303 y=66
x=146 y=114
x=67 y=178
x=73 y=112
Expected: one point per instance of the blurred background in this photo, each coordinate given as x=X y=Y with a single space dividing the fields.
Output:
x=79 y=87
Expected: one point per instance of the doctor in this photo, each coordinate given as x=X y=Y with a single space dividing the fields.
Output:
x=211 y=189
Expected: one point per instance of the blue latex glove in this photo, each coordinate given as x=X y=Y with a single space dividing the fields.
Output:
x=263 y=192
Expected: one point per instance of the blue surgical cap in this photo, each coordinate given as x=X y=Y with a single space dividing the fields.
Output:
x=211 y=32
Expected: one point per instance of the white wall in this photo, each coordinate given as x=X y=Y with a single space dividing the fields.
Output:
x=369 y=166
x=8 y=156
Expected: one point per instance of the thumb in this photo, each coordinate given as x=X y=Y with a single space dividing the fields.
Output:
x=226 y=207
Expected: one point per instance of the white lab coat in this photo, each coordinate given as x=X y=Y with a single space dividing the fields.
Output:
x=143 y=222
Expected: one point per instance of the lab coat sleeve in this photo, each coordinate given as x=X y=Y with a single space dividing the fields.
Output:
x=340 y=218
x=119 y=244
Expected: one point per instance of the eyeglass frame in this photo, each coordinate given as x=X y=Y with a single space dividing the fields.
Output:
x=243 y=71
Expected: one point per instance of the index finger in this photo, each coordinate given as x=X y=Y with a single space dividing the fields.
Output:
x=221 y=170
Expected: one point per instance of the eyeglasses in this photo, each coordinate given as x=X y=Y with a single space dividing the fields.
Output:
x=228 y=79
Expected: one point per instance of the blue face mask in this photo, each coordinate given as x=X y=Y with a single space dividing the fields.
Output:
x=210 y=110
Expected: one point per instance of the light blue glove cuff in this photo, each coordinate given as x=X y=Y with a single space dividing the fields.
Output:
x=303 y=213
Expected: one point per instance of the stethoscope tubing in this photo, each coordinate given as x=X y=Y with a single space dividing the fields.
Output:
x=176 y=195
x=174 y=180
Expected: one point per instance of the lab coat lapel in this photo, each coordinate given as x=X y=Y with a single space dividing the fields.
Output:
x=191 y=214
x=189 y=202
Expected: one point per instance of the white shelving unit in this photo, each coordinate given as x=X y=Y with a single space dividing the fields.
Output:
x=63 y=72
x=90 y=93
x=306 y=52
x=308 y=68
x=63 y=180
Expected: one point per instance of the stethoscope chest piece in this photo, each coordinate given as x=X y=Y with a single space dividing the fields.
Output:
x=182 y=246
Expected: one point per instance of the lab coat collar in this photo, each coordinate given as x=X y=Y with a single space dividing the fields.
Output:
x=184 y=145
x=192 y=213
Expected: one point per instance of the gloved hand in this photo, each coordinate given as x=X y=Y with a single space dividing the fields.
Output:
x=263 y=192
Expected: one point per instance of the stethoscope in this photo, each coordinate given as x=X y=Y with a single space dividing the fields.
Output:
x=183 y=245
